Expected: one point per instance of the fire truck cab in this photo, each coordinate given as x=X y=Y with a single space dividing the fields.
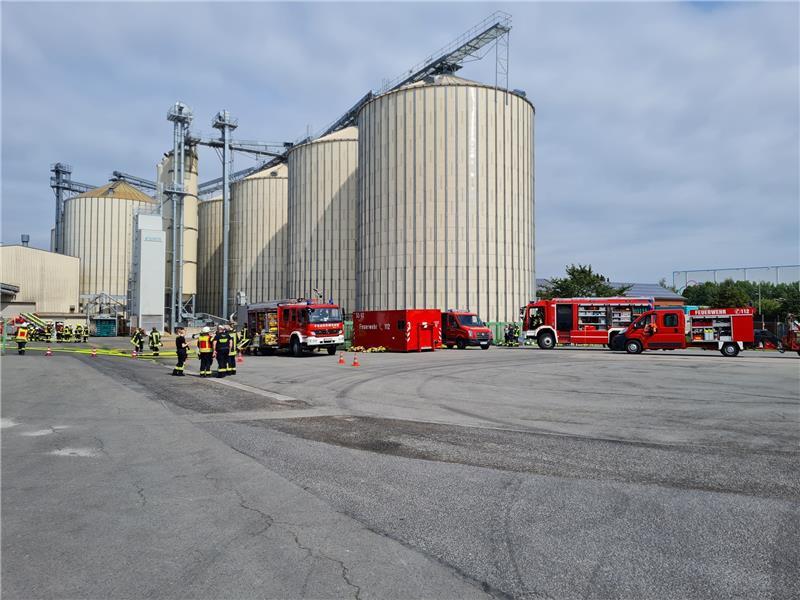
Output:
x=723 y=329
x=580 y=320
x=462 y=328
x=299 y=325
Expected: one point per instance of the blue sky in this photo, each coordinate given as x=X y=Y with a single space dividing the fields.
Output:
x=667 y=134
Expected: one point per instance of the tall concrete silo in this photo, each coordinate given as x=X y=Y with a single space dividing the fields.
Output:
x=258 y=235
x=98 y=229
x=322 y=218
x=446 y=199
x=209 y=256
x=190 y=201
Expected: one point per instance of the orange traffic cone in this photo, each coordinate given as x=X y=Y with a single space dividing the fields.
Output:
x=341 y=358
x=355 y=360
x=94 y=352
x=240 y=357
x=49 y=352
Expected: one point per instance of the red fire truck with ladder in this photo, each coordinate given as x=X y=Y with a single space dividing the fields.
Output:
x=299 y=325
x=725 y=329
x=580 y=320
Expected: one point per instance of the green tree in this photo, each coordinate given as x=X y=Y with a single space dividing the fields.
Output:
x=581 y=280
x=729 y=295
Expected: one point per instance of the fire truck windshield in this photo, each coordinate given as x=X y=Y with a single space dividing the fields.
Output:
x=324 y=315
x=470 y=321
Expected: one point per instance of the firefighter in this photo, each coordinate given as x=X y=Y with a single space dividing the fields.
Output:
x=205 y=351
x=66 y=335
x=234 y=347
x=78 y=332
x=243 y=344
x=85 y=334
x=137 y=339
x=22 y=338
x=154 y=341
x=222 y=348
x=48 y=331
x=59 y=332
x=182 y=349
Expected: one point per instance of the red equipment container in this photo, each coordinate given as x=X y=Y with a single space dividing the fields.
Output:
x=410 y=330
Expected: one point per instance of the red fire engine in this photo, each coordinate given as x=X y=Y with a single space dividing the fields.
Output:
x=463 y=328
x=299 y=325
x=723 y=329
x=580 y=320
x=398 y=330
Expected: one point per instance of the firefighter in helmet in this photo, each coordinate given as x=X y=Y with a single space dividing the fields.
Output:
x=154 y=341
x=22 y=338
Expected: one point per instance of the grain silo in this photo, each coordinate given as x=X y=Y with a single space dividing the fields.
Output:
x=258 y=236
x=322 y=218
x=209 y=256
x=190 y=202
x=98 y=229
x=446 y=199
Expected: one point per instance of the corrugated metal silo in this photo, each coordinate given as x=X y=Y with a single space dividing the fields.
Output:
x=258 y=235
x=209 y=256
x=98 y=229
x=190 y=202
x=322 y=218
x=446 y=199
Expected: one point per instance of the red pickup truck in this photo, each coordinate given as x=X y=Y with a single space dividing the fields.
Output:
x=462 y=328
x=723 y=329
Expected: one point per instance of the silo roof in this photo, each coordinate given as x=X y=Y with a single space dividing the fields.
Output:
x=117 y=189
x=280 y=170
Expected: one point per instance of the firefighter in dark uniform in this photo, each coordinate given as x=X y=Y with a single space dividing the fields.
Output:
x=22 y=338
x=154 y=341
x=182 y=350
x=205 y=351
x=67 y=335
x=222 y=347
x=85 y=334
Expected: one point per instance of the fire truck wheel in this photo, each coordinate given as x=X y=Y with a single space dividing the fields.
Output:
x=460 y=343
x=546 y=340
x=484 y=346
x=331 y=350
x=633 y=347
x=449 y=346
x=729 y=349
x=297 y=349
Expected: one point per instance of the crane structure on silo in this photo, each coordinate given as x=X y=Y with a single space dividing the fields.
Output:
x=471 y=45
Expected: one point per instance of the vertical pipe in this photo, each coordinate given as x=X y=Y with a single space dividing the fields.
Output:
x=226 y=217
x=173 y=201
x=179 y=165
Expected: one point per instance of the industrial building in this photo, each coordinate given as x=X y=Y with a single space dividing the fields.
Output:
x=420 y=196
x=35 y=280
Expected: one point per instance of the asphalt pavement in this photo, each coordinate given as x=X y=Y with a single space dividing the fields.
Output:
x=508 y=473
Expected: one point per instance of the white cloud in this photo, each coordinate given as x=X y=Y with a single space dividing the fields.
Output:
x=666 y=134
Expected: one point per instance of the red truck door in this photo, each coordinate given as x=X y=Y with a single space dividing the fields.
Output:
x=667 y=330
x=565 y=314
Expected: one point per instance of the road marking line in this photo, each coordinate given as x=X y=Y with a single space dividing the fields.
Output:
x=271 y=415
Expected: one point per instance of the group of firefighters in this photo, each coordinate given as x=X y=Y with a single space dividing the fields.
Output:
x=223 y=345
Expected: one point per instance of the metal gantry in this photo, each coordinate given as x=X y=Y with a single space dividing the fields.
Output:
x=62 y=183
x=139 y=182
x=181 y=117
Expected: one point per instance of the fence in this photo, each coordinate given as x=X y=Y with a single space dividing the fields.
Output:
x=775 y=274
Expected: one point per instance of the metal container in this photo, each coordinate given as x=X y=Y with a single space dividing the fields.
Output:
x=258 y=236
x=98 y=229
x=398 y=330
x=190 y=206
x=322 y=219
x=209 y=256
x=446 y=199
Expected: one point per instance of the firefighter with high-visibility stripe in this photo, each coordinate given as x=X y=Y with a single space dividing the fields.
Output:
x=154 y=341
x=78 y=332
x=205 y=351
x=67 y=334
x=243 y=344
x=181 y=349
x=22 y=338
x=234 y=346
x=222 y=348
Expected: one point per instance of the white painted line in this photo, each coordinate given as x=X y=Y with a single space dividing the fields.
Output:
x=5 y=423
x=254 y=390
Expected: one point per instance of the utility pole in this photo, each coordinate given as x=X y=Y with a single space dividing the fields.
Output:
x=225 y=124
